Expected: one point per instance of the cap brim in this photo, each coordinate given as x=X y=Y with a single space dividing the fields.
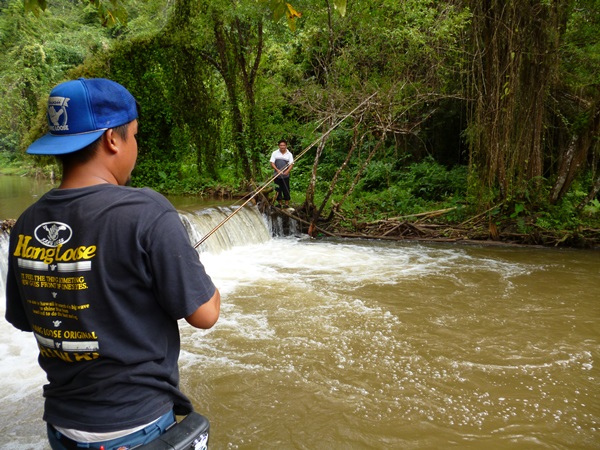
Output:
x=52 y=144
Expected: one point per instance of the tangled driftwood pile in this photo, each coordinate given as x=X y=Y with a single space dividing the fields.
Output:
x=424 y=227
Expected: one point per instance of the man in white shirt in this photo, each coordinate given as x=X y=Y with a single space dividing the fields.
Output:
x=282 y=162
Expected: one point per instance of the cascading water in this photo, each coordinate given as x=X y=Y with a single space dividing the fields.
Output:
x=248 y=226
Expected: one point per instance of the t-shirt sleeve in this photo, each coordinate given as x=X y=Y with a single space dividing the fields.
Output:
x=181 y=282
x=15 y=311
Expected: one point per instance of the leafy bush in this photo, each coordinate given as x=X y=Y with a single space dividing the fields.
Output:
x=431 y=181
x=378 y=175
x=562 y=216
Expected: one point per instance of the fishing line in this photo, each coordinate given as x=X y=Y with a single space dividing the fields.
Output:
x=264 y=186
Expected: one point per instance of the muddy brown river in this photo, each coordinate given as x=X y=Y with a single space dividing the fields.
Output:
x=337 y=344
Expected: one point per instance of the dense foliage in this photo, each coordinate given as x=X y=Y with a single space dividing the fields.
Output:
x=396 y=107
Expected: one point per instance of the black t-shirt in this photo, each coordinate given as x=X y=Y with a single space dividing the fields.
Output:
x=101 y=275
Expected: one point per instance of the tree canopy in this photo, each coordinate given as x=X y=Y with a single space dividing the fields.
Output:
x=507 y=90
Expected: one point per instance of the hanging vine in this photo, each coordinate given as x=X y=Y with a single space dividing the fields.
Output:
x=514 y=67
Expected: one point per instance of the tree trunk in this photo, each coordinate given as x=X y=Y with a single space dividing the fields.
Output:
x=574 y=158
x=310 y=190
x=593 y=193
x=227 y=67
x=353 y=147
x=242 y=38
x=516 y=46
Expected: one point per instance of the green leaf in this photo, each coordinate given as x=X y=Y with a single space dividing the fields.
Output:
x=340 y=5
x=281 y=8
x=35 y=6
x=109 y=15
x=278 y=8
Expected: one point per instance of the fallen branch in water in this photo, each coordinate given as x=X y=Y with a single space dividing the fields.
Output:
x=423 y=215
x=477 y=229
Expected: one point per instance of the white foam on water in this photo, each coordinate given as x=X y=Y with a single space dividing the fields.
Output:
x=19 y=371
x=300 y=259
x=21 y=381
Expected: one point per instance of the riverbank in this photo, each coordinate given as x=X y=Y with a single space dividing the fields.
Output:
x=491 y=227
x=478 y=230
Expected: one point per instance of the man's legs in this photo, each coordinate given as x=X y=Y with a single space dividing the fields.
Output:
x=279 y=190
x=286 y=190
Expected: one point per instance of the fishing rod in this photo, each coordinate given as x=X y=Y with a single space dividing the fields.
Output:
x=264 y=186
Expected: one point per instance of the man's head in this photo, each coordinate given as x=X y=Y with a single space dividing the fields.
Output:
x=80 y=111
x=123 y=137
x=282 y=145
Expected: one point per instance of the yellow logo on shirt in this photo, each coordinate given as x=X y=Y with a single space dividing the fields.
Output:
x=51 y=255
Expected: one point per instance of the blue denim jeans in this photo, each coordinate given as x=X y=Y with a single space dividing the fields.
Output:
x=142 y=436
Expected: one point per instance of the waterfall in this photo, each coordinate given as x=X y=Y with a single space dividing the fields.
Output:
x=247 y=226
x=281 y=225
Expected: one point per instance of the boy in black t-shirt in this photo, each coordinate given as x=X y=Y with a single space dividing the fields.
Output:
x=100 y=273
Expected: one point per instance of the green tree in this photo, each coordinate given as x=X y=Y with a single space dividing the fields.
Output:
x=534 y=93
x=574 y=106
x=37 y=52
x=408 y=53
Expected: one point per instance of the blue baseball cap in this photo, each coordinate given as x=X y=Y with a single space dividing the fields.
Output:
x=80 y=111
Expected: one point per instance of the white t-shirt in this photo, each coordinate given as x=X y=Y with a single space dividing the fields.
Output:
x=282 y=160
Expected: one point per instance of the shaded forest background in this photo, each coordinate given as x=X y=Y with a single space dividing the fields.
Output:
x=410 y=116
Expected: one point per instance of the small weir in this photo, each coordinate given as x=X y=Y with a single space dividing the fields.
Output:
x=248 y=226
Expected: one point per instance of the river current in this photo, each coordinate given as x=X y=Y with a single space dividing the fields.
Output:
x=337 y=344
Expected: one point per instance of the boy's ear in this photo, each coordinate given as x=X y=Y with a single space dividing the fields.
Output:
x=110 y=140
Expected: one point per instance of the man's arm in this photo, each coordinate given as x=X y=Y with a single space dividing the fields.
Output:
x=279 y=171
x=207 y=314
